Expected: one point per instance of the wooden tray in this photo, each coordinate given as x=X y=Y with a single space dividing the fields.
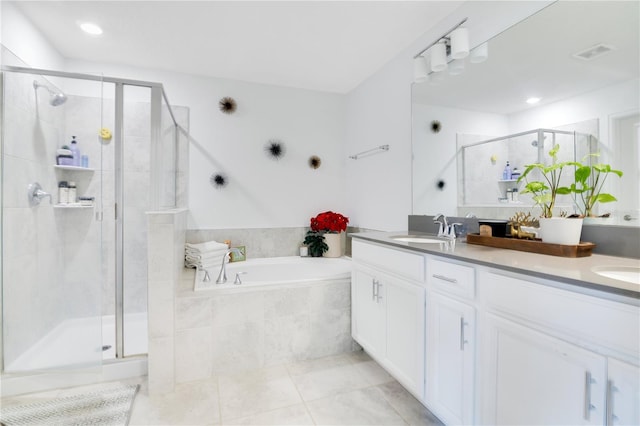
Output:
x=533 y=246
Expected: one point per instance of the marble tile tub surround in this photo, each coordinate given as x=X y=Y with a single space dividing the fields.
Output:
x=165 y=249
x=217 y=332
x=263 y=242
x=610 y=240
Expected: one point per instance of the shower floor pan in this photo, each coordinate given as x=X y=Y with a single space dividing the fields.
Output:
x=74 y=342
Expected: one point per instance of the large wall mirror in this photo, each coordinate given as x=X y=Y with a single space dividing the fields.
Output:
x=582 y=60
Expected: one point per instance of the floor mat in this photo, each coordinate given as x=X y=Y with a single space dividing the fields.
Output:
x=110 y=406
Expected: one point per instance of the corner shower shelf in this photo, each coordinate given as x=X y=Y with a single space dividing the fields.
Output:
x=74 y=168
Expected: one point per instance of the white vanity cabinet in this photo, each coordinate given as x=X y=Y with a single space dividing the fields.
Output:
x=450 y=343
x=623 y=393
x=388 y=312
x=369 y=320
x=537 y=379
x=552 y=356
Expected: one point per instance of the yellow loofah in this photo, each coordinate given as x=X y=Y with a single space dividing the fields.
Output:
x=105 y=134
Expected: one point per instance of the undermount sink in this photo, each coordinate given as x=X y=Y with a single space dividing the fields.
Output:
x=418 y=239
x=630 y=274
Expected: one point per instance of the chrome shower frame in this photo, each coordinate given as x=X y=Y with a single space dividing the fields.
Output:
x=157 y=96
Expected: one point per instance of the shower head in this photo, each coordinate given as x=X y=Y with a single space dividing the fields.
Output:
x=56 y=98
x=535 y=141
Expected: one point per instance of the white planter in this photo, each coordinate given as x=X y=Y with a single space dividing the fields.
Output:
x=334 y=241
x=560 y=230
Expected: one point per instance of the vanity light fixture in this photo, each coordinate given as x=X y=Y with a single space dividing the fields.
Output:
x=420 y=69
x=479 y=54
x=448 y=51
x=532 y=101
x=90 y=28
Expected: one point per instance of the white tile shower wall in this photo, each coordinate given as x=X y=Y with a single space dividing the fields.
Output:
x=136 y=166
x=33 y=245
x=166 y=237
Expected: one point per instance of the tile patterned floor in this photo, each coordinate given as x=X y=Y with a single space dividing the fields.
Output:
x=349 y=389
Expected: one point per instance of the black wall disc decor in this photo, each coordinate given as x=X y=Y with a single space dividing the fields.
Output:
x=440 y=185
x=227 y=105
x=314 y=162
x=275 y=149
x=218 y=180
x=436 y=126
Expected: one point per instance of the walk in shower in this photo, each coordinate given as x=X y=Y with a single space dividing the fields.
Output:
x=74 y=275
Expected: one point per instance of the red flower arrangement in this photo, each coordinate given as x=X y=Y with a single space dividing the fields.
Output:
x=329 y=222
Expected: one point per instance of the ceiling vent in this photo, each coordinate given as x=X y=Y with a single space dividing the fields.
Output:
x=594 y=52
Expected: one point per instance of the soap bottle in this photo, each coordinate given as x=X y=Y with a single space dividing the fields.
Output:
x=506 y=173
x=75 y=151
x=72 y=192
x=63 y=192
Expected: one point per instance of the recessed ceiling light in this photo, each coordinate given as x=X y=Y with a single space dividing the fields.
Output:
x=90 y=28
x=532 y=101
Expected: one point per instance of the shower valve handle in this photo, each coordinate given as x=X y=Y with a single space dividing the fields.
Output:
x=35 y=194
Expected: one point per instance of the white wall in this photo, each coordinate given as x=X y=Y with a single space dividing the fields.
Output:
x=261 y=192
x=25 y=41
x=379 y=112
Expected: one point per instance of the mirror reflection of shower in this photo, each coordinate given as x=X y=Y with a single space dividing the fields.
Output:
x=56 y=98
x=534 y=143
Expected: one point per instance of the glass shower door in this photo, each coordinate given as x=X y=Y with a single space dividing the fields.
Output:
x=51 y=245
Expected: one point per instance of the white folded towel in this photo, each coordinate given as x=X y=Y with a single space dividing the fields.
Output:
x=209 y=253
x=206 y=258
x=207 y=246
x=199 y=265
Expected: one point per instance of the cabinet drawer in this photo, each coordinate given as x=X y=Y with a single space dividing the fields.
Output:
x=577 y=317
x=401 y=263
x=451 y=277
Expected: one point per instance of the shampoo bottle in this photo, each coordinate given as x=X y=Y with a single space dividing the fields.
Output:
x=75 y=151
x=506 y=173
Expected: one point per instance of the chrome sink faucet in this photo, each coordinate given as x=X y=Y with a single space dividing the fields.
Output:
x=222 y=276
x=444 y=226
x=446 y=230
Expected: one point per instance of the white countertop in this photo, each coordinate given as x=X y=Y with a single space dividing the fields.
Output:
x=574 y=271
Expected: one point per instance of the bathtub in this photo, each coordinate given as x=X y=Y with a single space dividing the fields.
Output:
x=287 y=309
x=275 y=272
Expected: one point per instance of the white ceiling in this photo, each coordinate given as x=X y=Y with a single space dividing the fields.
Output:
x=320 y=45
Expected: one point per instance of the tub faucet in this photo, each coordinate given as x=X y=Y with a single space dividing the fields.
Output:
x=222 y=276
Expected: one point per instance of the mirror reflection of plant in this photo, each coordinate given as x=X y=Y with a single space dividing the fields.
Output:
x=588 y=194
x=548 y=188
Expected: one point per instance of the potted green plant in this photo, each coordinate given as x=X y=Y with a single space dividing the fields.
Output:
x=324 y=237
x=554 y=230
x=589 y=182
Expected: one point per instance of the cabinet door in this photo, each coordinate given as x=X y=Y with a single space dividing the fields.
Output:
x=368 y=316
x=405 y=332
x=623 y=394
x=537 y=379
x=450 y=359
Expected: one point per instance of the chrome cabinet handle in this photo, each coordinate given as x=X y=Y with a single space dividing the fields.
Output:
x=443 y=278
x=610 y=390
x=462 y=339
x=374 y=284
x=378 y=297
x=588 y=406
